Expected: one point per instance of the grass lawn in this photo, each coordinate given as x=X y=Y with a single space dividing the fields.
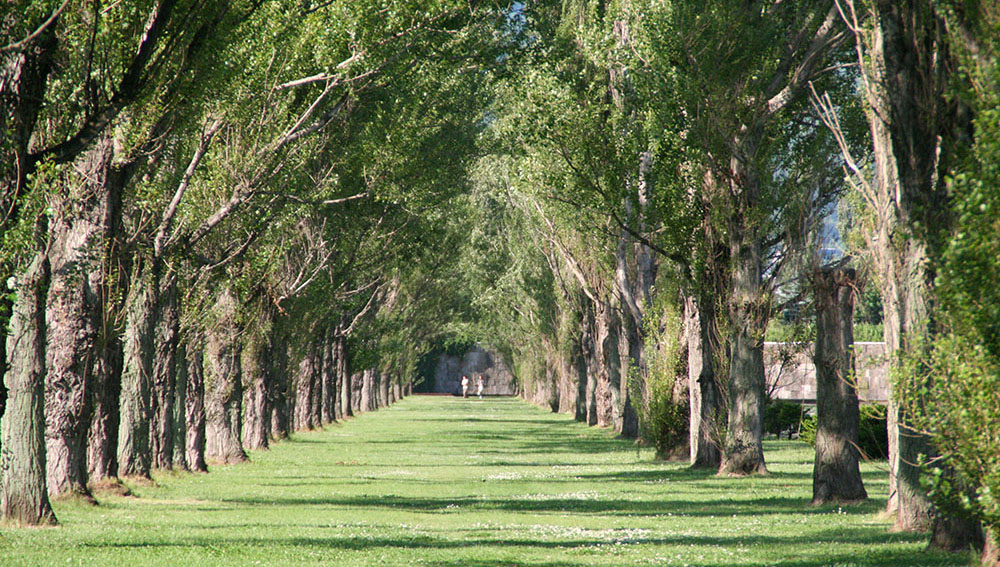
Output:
x=481 y=483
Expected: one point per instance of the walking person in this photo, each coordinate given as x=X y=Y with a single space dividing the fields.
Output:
x=479 y=386
x=465 y=386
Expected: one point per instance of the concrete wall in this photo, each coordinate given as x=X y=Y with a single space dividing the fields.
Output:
x=499 y=381
x=791 y=374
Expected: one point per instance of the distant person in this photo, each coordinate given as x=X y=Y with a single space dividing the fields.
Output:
x=465 y=386
x=479 y=386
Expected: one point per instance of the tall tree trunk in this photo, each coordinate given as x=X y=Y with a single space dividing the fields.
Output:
x=180 y=409
x=133 y=427
x=256 y=375
x=194 y=403
x=279 y=390
x=102 y=442
x=366 y=390
x=166 y=336
x=316 y=401
x=223 y=384
x=608 y=365
x=23 y=495
x=24 y=76
x=329 y=377
x=904 y=92
x=589 y=347
x=75 y=317
x=744 y=450
x=836 y=473
x=704 y=395
x=383 y=389
x=356 y=380
x=305 y=384
x=339 y=368
x=345 y=380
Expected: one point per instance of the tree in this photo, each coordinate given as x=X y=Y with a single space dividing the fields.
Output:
x=836 y=474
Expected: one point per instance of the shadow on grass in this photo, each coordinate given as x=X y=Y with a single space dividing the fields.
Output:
x=770 y=506
x=802 y=546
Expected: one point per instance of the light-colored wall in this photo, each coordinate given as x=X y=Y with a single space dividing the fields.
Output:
x=499 y=379
x=791 y=374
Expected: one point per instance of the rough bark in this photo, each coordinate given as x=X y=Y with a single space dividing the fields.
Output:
x=137 y=345
x=328 y=378
x=345 y=381
x=180 y=409
x=23 y=494
x=256 y=375
x=744 y=451
x=608 y=364
x=588 y=345
x=836 y=473
x=194 y=404
x=339 y=368
x=102 y=450
x=903 y=99
x=704 y=398
x=280 y=388
x=305 y=385
x=75 y=317
x=102 y=437
x=223 y=384
x=367 y=377
x=356 y=379
x=166 y=336
x=383 y=391
x=397 y=389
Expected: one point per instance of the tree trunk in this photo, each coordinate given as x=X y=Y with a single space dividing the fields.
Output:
x=75 y=317
x=588 y=344
x=102 y=437
x=383 y=388
x=904 y=92
x=133 y=427
x=704 y=396
x=397 y=388
x=836 y=473
x=166 y=335
x=223 y=384
x=608 y=364
x=329 y=377
x=305 y=382
x=23 y=495
x=180 y=409
x=366 y=390
x=356 y=379
x=744 y=450
x=280 y=387
x=194 y=403
x=345 y=380
x=256 y=375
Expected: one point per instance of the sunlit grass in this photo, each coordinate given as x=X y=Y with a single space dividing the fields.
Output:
x=448 y=482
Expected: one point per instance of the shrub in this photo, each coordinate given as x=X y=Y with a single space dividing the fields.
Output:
x=781 y=416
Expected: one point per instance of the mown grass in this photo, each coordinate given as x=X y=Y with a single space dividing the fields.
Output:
x=484 y=483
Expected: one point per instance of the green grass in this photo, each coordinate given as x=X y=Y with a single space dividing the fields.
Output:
x=451 y=482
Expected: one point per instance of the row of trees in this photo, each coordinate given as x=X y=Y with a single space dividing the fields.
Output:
x=231 y=208
x=223 y=221
x=659 y=182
